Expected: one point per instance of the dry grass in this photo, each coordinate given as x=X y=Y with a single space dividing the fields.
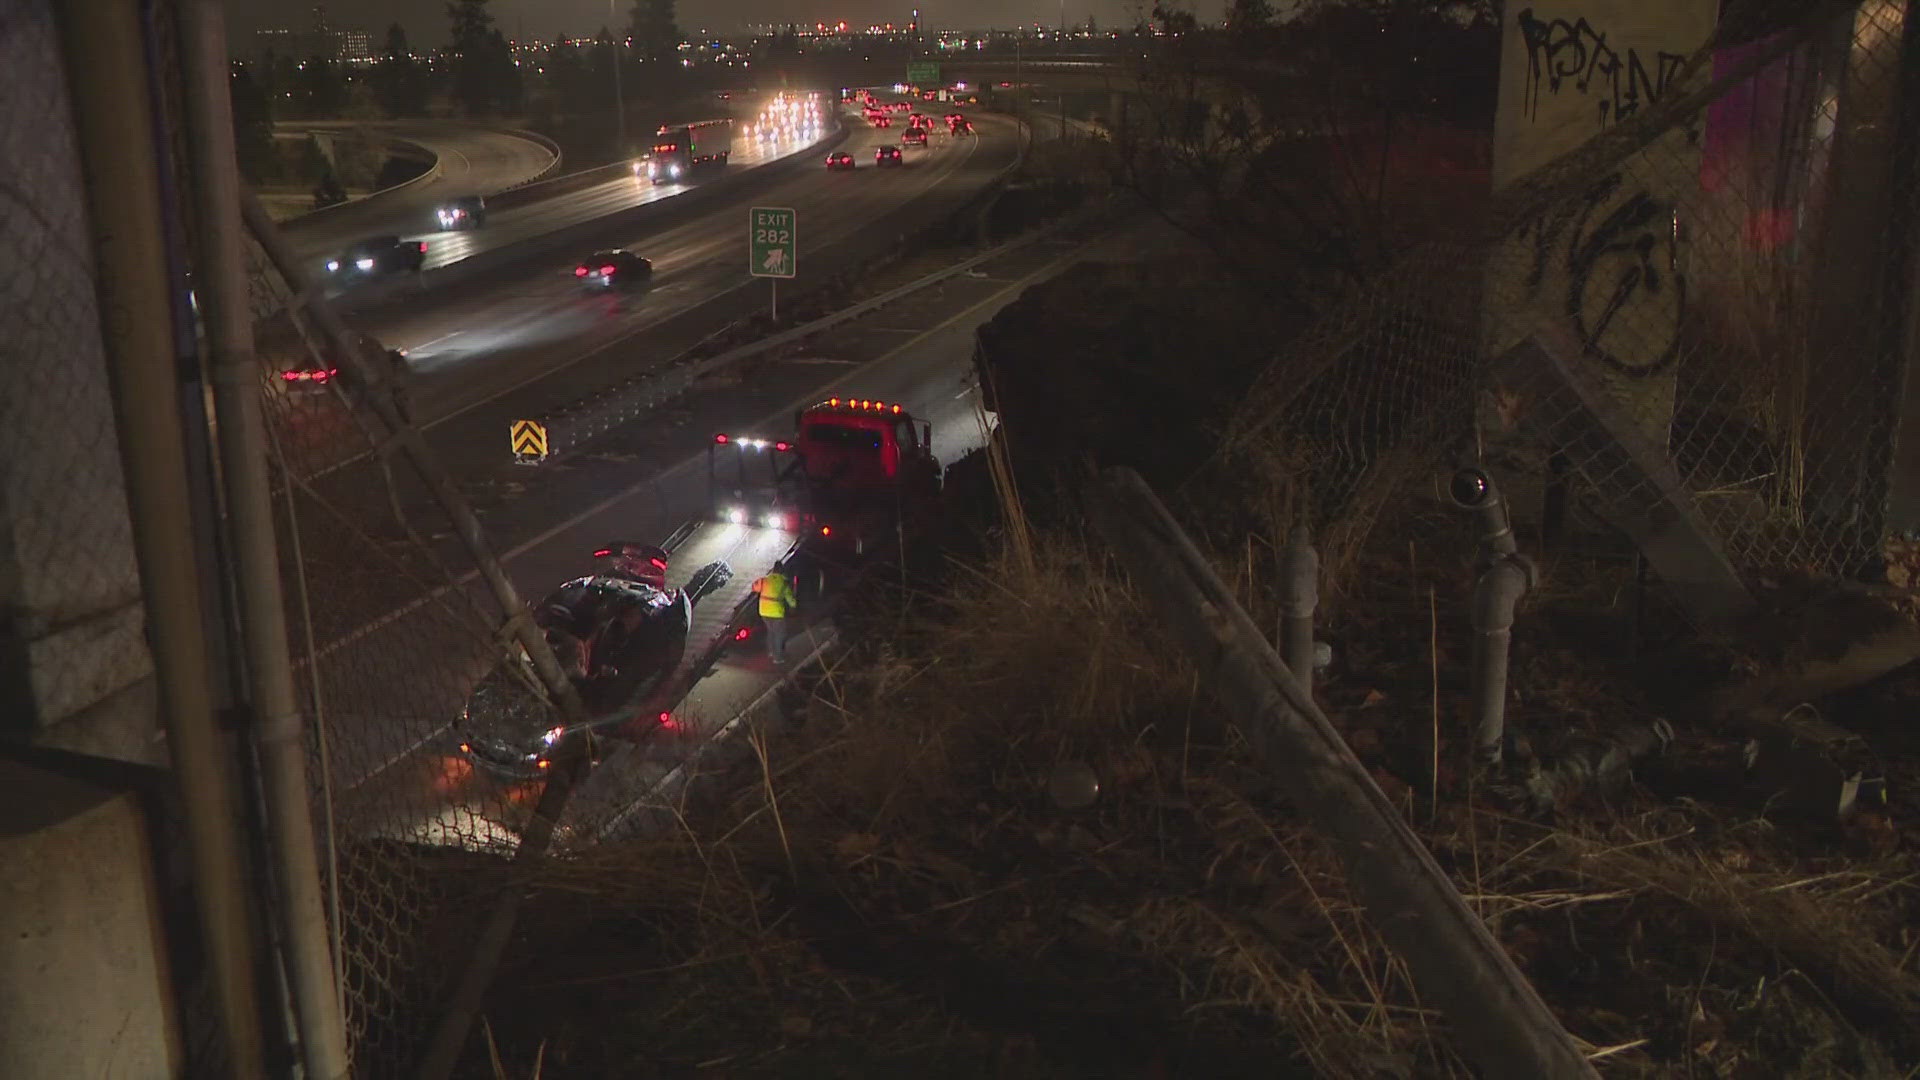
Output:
x=890 y=890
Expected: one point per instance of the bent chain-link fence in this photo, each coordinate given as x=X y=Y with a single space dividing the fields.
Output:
x=387 y=639
x=1725 y=275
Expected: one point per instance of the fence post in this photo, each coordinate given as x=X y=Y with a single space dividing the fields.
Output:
x=114 y=127
x=278 y=725
x=1500 y=1022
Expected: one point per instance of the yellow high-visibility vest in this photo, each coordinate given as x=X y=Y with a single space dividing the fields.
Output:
x=776 y=596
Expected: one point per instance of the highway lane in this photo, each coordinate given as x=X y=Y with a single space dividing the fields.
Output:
x=397 y=770
x=468 y=348
x=385 y=687
x=410 y=212
x=472 y=159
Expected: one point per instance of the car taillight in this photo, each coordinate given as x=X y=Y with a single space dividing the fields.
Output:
x=606 y=271
x=579 y=271
x=423 y=247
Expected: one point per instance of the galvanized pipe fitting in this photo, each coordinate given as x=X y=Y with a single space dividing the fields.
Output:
x=1505 y=577
x=1299 y=595
x=1474 y=490
x=1495 y=597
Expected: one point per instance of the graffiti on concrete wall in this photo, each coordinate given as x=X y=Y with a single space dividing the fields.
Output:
x=1610 y=257
x=1573 y=56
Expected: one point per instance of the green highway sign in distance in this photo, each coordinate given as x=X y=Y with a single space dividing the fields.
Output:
x=773 y=245
x=923 y=74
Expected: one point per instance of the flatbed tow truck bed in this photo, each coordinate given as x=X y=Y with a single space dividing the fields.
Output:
x=632 y=767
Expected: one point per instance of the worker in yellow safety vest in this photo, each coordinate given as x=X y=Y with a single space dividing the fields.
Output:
x=777 y=601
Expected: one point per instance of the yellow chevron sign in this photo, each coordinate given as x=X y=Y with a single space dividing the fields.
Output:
x=529 y=440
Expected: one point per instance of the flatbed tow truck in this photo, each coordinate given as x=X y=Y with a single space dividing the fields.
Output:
x=823 y=500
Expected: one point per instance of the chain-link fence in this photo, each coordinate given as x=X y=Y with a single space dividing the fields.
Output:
x=1719 y=280
x=388 y=641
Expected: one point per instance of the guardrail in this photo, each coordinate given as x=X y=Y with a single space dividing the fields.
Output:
x=542 y=187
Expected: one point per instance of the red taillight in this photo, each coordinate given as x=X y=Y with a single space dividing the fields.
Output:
x=603 y=553
x=579 y=271
x=322 y=376
x=721 y=439
x=423 y=247
x=667 y=721
x=782 y=446
x=743 y=633
x=606 y=271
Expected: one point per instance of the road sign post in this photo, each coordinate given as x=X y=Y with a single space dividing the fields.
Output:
x=773 y=247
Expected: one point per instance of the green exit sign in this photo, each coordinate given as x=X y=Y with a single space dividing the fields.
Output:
x=773 y=245
x=923 y=74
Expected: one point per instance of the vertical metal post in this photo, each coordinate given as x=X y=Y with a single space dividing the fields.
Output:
x=1505 y=577
x=773 y=308
x=1299 y=595
x=221 y=257
x=114 y=125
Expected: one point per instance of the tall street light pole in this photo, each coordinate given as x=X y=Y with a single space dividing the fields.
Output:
x=619 y=99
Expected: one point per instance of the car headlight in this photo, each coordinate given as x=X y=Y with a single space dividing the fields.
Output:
x=736 y=516
x=676 y=170
x=364 y=264
x=333 y=266
x=552 y=736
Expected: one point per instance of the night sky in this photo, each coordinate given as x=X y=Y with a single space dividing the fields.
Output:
x=426 y=22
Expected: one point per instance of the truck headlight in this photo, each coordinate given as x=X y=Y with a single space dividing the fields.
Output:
x=675 y=170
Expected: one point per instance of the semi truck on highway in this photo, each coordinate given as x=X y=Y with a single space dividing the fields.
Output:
x=638 y=634
x=680 y=149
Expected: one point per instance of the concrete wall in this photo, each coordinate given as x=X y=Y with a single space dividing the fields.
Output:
x=74 y=668
x=85 y=989
x=1605 y=263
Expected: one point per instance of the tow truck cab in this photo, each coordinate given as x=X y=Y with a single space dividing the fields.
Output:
x=859 y=445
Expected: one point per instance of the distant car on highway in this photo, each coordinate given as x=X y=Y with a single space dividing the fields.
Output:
x=882 y=121
x=913 y=137
x=466 y=212
x=613 y=269
x=378 y=255
x=839 y=159
x=888 y=155
x=918 y=120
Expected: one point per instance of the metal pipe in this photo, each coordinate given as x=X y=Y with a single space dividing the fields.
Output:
x=278 y=725
x=1494 y=598
x=1505 y=577
x=113 y=123
x=1299 y=595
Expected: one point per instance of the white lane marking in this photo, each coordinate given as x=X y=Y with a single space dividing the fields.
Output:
x=435 y=341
